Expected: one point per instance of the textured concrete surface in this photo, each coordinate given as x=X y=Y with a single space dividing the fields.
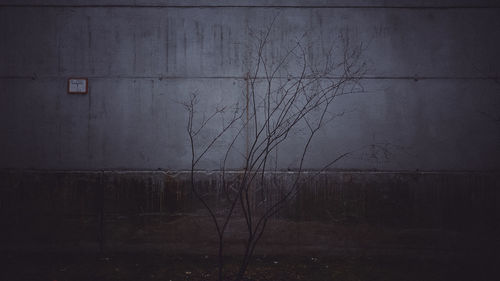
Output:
x=265 y=3
x=430 y=90
x=106 y=170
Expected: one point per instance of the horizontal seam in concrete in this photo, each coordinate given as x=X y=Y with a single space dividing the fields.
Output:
x=243 y=77
x=172 y=172
x=256 y=6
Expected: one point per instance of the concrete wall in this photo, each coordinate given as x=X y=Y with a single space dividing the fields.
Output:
x=430 y=102
x=430 y=90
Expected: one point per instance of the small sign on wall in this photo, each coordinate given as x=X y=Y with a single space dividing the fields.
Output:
x=78 y=85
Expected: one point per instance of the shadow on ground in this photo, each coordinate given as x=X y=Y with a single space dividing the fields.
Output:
x=154 y=266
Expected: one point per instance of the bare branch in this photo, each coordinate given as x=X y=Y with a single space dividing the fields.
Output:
x=276 y=108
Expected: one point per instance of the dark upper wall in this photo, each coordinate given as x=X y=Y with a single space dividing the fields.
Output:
x=267 y=3
x=429 y=94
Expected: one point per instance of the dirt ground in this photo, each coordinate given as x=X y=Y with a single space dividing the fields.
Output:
x=85 y=266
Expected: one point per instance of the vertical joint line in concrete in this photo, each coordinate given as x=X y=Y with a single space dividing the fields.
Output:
x=247 y=78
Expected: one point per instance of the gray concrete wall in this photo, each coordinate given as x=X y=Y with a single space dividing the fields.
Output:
x=430 y=102
x=431 y=87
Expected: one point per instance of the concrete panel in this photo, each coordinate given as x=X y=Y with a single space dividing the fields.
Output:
x=430 y=98
x=140 y=124
x=267 y=3
x=214 y=42
x=430 y=125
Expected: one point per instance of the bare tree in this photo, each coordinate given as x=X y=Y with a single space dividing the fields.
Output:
x=283 y=97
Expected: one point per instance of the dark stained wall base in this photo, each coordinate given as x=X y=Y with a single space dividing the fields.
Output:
x=339 y=213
